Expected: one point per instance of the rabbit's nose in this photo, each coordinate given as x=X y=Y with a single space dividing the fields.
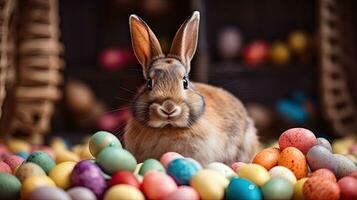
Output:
x=168 y=107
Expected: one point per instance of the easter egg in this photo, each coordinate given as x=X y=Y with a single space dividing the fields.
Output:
x=344 y=166
x=181 y=170
x=255 y=53
x=325 y=143
x=42 y=159
x=16 y=145
x=298 y=189
x=102 y=139
x=29 y=169
x=157 y=185
x=183 y=192
x=23 y=154
x=209 y=184
x=300 y=138
x=280 y=171
x=278 y=188
x=325 y=174
x=294 y=160
x=279 y=53
x=81 y=193
x=85 y=154
x=5 y=168
x=166 y=158
x=297 y=41
x=194 y=162
x=255 y=173
x=319 y=157
x=47 y=150
x=348 y=187
x=46 y=193
x=124 y=177
x=229 y=42
x=237 y=165
x=222 y=169
x=61 y=174
x=316 y=188
x=13 y=161
x=268 y=157
x=123 y=192
x=65 y=155
x=151 y=164
x=113 y=159
x=89 y=175
x=240 y=188
x=33 y=182
x=9 y=186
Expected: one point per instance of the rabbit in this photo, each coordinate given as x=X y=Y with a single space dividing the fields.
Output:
x=172 y=114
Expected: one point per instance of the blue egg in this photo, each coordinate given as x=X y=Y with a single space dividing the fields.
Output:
x=197 y=164
x=182 y=170
x=23 y=154
x=241 y=189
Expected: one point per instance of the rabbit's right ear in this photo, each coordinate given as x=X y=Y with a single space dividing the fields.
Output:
x=145 y=44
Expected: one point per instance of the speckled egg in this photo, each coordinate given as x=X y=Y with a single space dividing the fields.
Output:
x=151 y=164
x=300 y=138
x=325 y=143
x=33 y=182
x=278 y=188
x=5 y=168
x=29 y=169
x=344 y=166
x=123 y=192
x=102 y=139
x=61 y=174
x=319 y=157
x=222 y=169
x=240 y=188
x=209 y=184
x=268 y=157
x=325 y=174
x=13 y=161
x=181 y=170
x=166 y=158
x=89 y=175
x=183 y=192
x=46 y=193
x=293 y=159
x=280 y=171
x=255 y=173
x=42 y=159
x=81 y=193
x=113 y=159
x=124 y=177
x=298 y=189
x=348 y=187
x=316 y=188
x=9 y=187
x=157 y=185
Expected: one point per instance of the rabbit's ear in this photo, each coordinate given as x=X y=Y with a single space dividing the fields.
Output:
x=185 y=41
x=145 y=44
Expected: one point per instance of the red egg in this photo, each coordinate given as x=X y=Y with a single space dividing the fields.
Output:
x=157 y=185
x=124 y=177
x=317 y=188
x=324 y=173
x=5 y=168
x=255 y=53
x=114 y=58
x=183 y=192
x=299 y=138
x=348 y=187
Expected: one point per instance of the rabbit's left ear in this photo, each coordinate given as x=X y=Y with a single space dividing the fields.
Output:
x=185 y=41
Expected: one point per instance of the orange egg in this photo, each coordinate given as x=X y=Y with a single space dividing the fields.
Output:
x=317 y=188
x=295 y=160
x=268 y=157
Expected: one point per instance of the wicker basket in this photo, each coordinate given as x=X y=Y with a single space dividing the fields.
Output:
x=30 y=67
x=338 y=54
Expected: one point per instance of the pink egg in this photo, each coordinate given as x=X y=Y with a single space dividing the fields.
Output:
x=157 y=185
x=348 y=187
x=5 y=168
x=237 y=165
x=166 y=158
x=13 y=161
x=3 y=150
x=183 y=192
x=299 y=138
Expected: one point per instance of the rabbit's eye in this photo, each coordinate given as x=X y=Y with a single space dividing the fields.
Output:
x=149 y=84
x=185 y=83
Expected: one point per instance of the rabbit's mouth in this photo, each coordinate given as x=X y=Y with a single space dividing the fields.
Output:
x=174 y=117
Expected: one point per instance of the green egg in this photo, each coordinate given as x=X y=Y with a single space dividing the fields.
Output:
x=113 y=159
x=151 y=164
x=9 y=187
x=42 y=159
x=278 y=188
x=102 y=139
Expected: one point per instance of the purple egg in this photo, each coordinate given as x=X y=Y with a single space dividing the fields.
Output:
x=89 y=175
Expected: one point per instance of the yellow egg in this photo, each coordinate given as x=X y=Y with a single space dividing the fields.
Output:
x=61 y=174
x=85 y=154
x=65 y=155
x=298 y=189
x=255 y=173
x=76 y=149
x=341 y=146
x=16 y=145
x=279 y=53
x=123 y=192
x=137 y=169
x=34 y=182
x=58 y=144
x=209 y=184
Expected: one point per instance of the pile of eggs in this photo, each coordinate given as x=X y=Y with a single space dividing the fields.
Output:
x=301 y=166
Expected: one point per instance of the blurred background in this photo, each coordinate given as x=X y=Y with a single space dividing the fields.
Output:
x=292 y=62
